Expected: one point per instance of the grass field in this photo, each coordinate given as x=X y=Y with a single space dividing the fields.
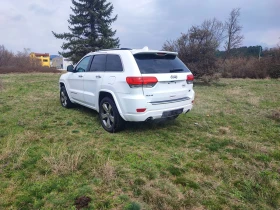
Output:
x=224 y=154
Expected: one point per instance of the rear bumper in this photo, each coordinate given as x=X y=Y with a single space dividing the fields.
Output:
x=155 y=114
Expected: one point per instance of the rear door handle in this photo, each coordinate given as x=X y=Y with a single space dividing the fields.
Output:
x=98 y=77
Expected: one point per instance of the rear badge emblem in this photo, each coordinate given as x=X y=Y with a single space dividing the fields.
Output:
x=174 y=77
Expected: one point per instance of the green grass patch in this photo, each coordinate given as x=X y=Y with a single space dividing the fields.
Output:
x=224 y=154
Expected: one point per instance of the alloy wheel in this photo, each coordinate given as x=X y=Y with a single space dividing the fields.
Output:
x=63 y=98
x=107 y=115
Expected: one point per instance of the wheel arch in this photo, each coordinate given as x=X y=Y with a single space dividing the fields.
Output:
x=110 y=94
x=61 y=84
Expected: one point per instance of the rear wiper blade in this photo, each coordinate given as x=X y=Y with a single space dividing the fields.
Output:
x=176 y=70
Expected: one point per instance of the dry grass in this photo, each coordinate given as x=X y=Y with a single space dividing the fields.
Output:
x=254 y=100
x=62 y=162
x=108 y=172
x=1 y=85
x=224 y=130
x=11 y=148
x=235 y=91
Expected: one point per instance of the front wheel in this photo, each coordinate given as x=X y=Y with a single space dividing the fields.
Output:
x=109 y=116
x=64 y=99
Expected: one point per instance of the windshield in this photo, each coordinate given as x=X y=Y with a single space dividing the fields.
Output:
x=160 y=63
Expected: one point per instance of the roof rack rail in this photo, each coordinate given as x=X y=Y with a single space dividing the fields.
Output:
x=116 y=49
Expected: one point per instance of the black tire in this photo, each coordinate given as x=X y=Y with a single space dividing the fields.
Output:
x=64 y=98
x=109 y=116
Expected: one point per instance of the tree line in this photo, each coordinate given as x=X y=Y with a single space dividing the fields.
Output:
x=199 y=48
x=244 y=51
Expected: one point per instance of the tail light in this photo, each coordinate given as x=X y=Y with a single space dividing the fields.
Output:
x=190 y=79
x=136 y=82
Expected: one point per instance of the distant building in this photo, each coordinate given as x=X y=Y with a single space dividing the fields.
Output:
x=44 y=58
x=61 y=63
x=52 y=57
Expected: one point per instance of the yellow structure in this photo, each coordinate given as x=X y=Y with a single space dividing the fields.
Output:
x=43 y=57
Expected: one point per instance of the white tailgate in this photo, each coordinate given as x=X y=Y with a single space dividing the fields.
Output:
x=171 y=88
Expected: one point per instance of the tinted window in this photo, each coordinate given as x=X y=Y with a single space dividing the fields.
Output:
x=82 y=66
x=114 y=63
x=153 y=63
x=98 y=63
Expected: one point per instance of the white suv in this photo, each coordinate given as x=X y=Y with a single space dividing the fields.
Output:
x=129 y=85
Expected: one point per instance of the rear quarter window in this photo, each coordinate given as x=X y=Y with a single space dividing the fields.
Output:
x=114 y=63
x=154 y=63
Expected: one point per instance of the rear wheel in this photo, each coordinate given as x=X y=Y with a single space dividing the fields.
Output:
x=109 y=116
x=64 y=99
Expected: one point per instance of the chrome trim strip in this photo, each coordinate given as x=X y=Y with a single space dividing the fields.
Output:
x=170 y=101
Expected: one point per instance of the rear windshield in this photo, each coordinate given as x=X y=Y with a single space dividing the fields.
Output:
x=154 y=63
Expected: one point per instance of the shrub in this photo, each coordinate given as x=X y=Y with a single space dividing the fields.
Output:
x=252 y=67
x=132 y=206
x=274 y=71
x=242 y=68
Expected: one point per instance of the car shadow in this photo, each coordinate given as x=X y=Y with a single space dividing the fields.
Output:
x=129 y=126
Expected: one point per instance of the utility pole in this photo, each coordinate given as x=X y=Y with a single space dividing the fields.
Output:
x=260 y=53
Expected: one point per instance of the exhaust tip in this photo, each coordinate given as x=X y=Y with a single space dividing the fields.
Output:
x=187 y=111
x=149 y=119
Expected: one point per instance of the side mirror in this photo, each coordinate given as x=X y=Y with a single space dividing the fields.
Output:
x=70 y=68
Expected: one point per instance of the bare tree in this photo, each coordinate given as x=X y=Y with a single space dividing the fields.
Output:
x=215 y=30
x=5 y=56
x=233 y=31
x=198 y=47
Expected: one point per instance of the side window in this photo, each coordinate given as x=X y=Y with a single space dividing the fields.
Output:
x=82 y=66
x=114 y=63
x=98 y=63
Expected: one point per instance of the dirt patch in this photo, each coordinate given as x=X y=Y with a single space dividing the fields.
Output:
x=275 y=115
x=224 y=130
x=82 y=202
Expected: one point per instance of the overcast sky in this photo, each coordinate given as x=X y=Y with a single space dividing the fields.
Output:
x=28 y=23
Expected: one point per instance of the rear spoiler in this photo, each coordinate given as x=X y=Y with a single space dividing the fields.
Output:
x=155 y=52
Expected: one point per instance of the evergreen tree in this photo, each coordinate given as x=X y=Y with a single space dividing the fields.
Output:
x=90 y=29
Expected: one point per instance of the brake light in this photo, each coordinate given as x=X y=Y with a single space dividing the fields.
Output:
x=147 y=82
x=190 y=79
x=161 y=54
